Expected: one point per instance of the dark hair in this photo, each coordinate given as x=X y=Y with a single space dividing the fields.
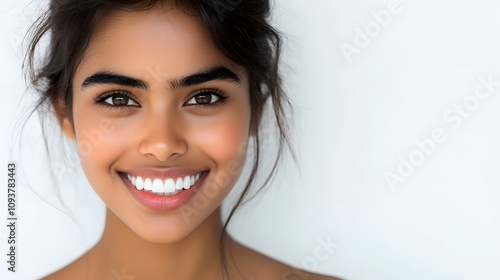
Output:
x=238 y=28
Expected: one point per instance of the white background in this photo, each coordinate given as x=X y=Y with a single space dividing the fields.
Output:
x=358 y=117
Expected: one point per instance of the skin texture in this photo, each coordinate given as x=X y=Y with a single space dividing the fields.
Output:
x=159 y=127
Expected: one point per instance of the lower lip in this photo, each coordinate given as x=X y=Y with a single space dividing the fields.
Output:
x=160 y=202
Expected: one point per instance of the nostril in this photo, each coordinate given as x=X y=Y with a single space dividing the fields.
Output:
x=162 y=150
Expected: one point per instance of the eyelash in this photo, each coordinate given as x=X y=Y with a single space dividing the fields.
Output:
x=100 y=100
x=222 y=97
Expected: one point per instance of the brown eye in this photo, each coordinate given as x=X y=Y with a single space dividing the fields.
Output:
x=205 y=98
x=116 y=99
x=119 y=100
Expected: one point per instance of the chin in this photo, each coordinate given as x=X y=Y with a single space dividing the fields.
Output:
x=164 y=230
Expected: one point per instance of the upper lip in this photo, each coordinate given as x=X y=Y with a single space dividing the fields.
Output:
x=163 y=173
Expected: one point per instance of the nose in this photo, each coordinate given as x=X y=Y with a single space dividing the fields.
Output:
x=162 y=137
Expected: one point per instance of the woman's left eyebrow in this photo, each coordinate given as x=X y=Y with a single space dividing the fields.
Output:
x=211 y=74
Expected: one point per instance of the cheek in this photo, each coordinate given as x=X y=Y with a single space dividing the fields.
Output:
x=222 y=139
x=222 y=142
x=100 y=141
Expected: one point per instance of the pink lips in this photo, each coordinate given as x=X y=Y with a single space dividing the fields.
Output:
x=160 y=202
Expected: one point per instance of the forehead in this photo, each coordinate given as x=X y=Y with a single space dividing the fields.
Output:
x=162 y=39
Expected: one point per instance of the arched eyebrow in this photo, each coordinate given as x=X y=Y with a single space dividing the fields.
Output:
x=210 y=74
x=106 y=77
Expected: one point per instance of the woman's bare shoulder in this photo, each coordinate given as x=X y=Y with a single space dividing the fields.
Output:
x=250 y=264
x=259 y=266
x=76 y=270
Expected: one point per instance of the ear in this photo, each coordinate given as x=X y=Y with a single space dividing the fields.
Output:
x=64 y=118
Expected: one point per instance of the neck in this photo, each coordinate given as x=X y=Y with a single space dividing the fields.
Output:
x=122 y=253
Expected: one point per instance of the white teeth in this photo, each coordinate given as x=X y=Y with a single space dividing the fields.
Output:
x=139 y=184
x=176 y=192
x=191 y=182
x=179 y=184
x=157 y=186
x=148 y=185
x=168 y=187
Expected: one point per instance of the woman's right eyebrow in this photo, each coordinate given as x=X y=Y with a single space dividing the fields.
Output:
x=105 y=77
x=210 y=74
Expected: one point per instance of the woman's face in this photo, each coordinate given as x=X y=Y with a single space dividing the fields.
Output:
x=154 y=101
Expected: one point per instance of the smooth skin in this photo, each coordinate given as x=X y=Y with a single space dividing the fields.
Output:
x=161 y=124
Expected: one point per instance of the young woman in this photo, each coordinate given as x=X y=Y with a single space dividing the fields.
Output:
x=162 y=98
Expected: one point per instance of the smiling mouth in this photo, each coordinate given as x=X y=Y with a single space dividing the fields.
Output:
x=167 y=187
